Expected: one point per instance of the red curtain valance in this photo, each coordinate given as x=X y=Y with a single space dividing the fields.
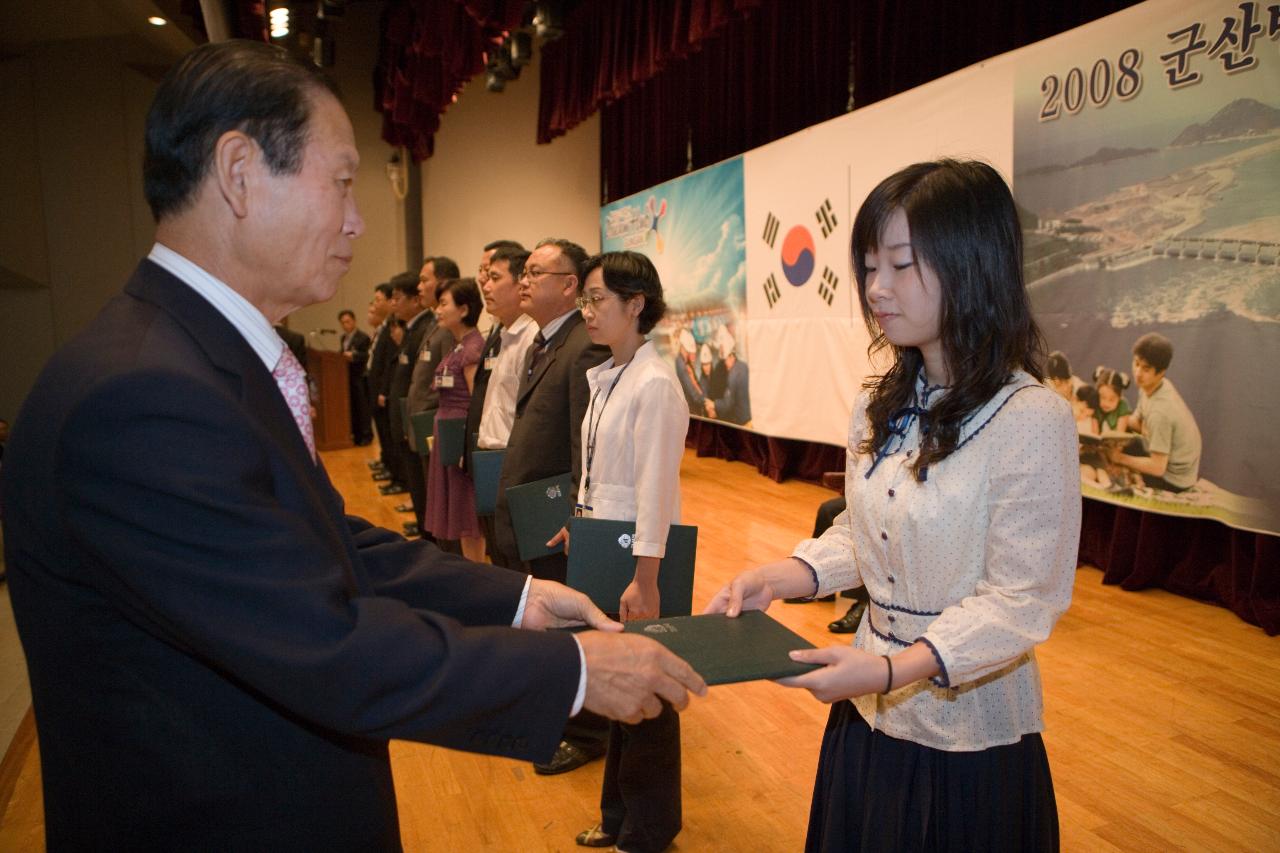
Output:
x=429 y=50
x=614 y=46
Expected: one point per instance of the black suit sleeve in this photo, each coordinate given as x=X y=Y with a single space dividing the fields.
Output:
x=190 y=516
x=360 y=347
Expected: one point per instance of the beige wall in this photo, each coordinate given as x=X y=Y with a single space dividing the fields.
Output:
x=489 y=180
x=73 y=221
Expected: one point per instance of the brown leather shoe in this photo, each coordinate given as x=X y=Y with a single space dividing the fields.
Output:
x=595 y=837
x=568 y=757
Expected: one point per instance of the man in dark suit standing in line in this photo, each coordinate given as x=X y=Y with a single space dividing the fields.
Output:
x=422 y=398
x=407 y=306
x=218 y=655
x=355 y=349
x=546 y=436
x=378 y=369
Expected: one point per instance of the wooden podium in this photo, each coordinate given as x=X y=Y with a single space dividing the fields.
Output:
x=332 y=399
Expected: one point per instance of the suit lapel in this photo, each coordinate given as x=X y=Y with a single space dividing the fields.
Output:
x=230 y=353
x=530 y=381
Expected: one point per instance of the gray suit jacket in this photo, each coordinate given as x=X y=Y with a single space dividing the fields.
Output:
x=436 y=344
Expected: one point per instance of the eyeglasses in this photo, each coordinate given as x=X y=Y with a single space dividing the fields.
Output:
x=532 y=274
x=593 y=301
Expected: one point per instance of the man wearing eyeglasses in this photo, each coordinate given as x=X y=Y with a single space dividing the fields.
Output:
x=545 y=439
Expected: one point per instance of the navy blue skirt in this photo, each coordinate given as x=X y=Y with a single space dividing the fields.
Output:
x=879 y=793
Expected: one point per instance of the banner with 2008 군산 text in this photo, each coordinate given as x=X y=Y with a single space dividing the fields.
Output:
x=1147 y=165
x=1144 y=154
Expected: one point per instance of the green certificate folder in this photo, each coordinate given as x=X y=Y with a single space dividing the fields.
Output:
x=421 y=426
x=538 y=511
x=724 y=651
x=486 y=470
x=601 y=564
x=450 y=440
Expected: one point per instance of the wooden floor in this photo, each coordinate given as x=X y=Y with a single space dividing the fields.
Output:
x=1163 y=726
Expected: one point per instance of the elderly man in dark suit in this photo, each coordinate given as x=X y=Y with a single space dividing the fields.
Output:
x=546 y=437
x=218 y=655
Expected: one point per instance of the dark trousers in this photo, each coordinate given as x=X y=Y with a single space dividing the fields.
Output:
x=490 y=542
x=415 y=479
x=386 y=442
x=640 y=801
x=361 y=431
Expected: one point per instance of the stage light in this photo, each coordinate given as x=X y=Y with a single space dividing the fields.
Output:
x=156 y=21
x=279 y=22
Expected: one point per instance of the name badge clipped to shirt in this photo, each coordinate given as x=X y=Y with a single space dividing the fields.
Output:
x=490 y=363
x=425 y=355
x=404 y=358
x=444 y=380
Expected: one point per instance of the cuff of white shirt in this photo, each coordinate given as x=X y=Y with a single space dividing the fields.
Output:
x=581 y=696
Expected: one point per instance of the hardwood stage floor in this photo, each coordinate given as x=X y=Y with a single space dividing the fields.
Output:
x=1162 y=723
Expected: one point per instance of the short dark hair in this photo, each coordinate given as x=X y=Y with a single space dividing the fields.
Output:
x=406 y=283
x=384 y=289
x=575 y=254
x=465 y=294
x=630 y=274
x=1088 y=394
x=514 y=256
x=504 y=244
x=256 y=88
x=346 y=312
x=1056 y=366
x=964 y=226
x=1155 y=349
x=444 y=267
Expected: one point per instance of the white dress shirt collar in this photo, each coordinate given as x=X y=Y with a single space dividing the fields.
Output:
x=554 y=326
x=252 y=325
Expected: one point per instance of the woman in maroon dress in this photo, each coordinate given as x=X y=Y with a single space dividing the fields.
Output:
x=451 y=496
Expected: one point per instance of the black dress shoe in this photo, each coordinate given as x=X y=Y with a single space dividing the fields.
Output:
x=595 y=837
x=411 y=529
x=381 y=475
x=806 y=600
x=848 y=623
x=375 y=464
x=393 y=489
x=404 y=507
x=568 y=757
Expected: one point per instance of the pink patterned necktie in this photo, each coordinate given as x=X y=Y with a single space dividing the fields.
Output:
x=292 y=380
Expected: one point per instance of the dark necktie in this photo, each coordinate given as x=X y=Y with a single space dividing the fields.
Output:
x=536 y=353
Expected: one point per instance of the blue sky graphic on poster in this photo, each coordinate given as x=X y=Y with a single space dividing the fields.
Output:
x=1147 y=161
x=692 y=230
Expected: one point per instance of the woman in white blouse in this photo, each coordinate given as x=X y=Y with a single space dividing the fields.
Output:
x=632 y=444
x=963 y=521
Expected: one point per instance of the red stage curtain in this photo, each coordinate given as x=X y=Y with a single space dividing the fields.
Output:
x=428 y=52
x=1194 y=557
x=727 y=76
x=777 y=458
